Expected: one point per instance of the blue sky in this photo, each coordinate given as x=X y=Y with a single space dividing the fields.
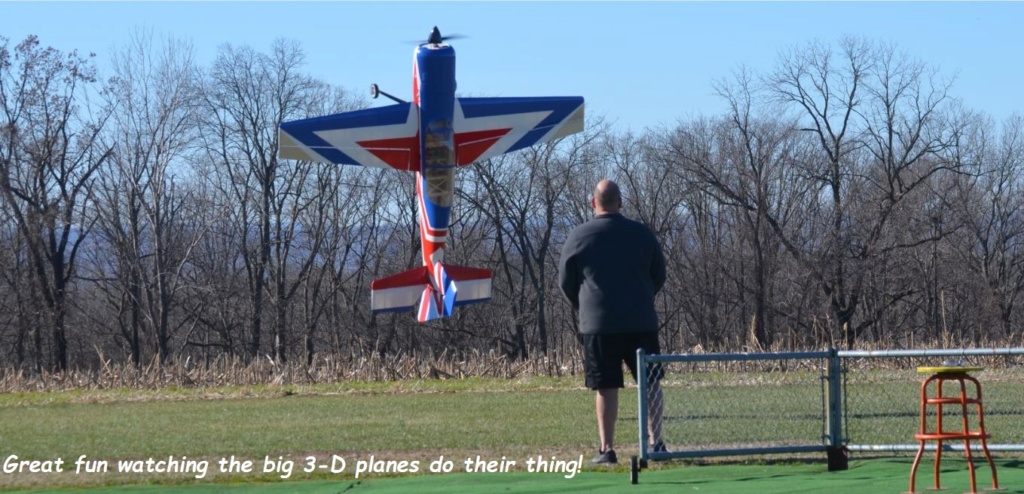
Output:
x=641 y=64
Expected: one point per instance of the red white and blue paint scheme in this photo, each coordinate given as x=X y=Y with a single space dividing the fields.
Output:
x=432 y=136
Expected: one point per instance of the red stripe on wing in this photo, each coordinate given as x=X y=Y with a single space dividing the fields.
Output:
x=402 y=153
x=471 y=145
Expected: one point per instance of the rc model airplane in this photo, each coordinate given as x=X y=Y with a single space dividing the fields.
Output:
x=432 y=136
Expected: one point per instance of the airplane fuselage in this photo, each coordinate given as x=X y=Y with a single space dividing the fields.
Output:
x=433 y=88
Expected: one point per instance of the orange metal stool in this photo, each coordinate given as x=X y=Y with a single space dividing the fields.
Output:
x=939 y=375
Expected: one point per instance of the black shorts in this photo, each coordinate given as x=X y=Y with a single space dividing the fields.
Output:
x=603 y=355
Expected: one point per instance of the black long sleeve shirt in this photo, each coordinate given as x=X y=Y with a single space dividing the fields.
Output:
x=610 y=269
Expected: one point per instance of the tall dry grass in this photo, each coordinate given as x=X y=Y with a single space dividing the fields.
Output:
x=233 y=371
x=332 y=368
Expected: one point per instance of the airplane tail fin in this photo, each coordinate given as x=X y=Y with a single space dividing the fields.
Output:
x=437 y=291
x=428 y=305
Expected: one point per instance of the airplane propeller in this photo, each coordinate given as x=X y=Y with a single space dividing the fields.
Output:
x=435 y=37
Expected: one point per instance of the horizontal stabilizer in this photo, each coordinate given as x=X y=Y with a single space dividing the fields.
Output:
x=454 y=286
x=400 y=291
x=467 y=285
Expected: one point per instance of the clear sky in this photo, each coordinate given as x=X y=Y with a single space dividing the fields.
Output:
x=641 y=64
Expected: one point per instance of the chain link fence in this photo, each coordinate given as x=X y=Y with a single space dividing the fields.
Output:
x=828 y=401
x=882 y=405
x=721 y=404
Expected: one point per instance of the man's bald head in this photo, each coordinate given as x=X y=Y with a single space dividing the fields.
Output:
x=607 y=197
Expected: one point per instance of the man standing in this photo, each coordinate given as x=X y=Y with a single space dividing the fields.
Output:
x=610 y=269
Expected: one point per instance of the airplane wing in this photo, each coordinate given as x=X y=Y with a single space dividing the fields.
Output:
x=388 y=136
x=384 y=137
x=488 y=127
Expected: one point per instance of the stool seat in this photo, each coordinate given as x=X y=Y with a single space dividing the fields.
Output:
x=959 y=374
x=948 y=369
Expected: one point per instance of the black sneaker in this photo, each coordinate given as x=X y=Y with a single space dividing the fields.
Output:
x=659 y=447
x=606 y=458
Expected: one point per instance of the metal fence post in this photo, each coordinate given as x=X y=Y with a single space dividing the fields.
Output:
x=641 y=393
x=836 y=451
x=641 y=396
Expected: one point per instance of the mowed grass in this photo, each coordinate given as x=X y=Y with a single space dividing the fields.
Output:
x=407 y=421
x=294 y=424
x=419 y=420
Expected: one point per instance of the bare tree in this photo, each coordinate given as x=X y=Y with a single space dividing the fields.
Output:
x=217 y=273
x=248 y=95
x=142 y=201
x=338 y=283
x=990 y=203
x=877 y=116
x=49 y=153
x=18 y=307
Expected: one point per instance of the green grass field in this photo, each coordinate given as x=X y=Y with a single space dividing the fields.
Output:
x=408 y=421
x=411 y=421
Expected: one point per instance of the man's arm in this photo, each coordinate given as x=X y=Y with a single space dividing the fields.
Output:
x=658 y=274
x=568 y=276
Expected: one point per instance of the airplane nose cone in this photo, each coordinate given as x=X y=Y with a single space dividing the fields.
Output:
x=435 y=36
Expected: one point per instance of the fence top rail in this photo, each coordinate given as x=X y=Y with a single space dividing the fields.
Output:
x=712 y=357
x=949 y=352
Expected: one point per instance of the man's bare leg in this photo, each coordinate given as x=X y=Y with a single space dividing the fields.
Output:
x=656 y=407
x=607 y=401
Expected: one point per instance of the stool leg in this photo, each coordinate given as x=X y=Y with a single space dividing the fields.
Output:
x=923 y=430
x=913 y=468
x=938 y=429
x=991 y=465
x=970 y=465
x=981 y=429
x=966 y=429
